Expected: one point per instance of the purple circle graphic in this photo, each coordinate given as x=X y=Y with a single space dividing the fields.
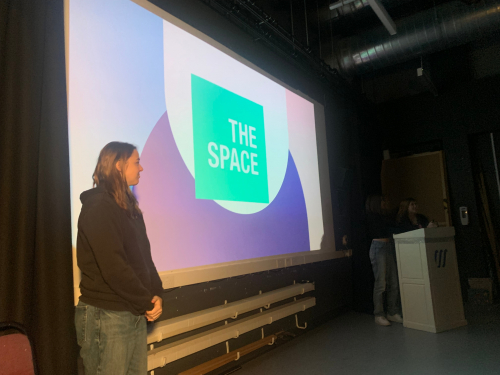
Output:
x=188 y=232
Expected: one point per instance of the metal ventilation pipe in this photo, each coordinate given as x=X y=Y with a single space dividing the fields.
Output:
x=350 y=8
x=359 y=6
x=449 y=25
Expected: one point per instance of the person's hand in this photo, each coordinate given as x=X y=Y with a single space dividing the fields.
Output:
x=154 y=314
x=432 y=224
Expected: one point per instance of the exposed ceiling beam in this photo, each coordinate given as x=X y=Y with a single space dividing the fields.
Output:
x=382 y=14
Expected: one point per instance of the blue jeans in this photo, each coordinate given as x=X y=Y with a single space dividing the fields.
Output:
x=383 y=258
x=111 y=342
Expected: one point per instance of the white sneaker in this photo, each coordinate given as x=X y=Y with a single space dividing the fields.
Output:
x=382 y=321
x=395 y=318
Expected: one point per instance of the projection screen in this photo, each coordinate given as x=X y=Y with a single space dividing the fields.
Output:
x=235 y=173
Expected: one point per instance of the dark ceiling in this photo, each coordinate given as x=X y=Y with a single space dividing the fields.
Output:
x=320 y=31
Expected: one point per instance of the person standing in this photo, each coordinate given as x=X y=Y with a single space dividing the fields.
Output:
x=383 y=260
x=120 y=286
x=409 y=219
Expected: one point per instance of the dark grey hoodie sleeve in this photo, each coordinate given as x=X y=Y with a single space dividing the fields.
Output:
x=102 y=230
x=156 y=282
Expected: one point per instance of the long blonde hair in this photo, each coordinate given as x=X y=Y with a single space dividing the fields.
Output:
x=403 y=209
x=108 y=176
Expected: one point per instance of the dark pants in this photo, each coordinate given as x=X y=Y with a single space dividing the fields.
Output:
x=383 y=258
x=112 y=342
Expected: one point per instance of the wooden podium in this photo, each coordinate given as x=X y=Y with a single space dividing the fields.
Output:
x=428 y=279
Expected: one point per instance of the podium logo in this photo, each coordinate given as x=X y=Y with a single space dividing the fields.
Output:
x=440 y=258
x=229 y=145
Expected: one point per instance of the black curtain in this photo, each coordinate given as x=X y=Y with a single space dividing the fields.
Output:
x=36 y=283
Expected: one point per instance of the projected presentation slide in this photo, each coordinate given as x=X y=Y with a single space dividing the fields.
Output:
x=229 y=155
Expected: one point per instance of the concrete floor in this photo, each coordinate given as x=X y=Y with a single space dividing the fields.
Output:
x=352 y=344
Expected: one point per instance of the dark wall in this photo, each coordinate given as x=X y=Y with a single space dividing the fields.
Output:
x=485 y=155
x=451 y=118
x=333 y=278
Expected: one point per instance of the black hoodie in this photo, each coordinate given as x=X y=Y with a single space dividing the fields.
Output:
x=114 y=255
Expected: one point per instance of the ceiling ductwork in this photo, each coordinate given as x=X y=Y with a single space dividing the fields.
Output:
x=352 y=9
x=348 y=9
x=436 y=29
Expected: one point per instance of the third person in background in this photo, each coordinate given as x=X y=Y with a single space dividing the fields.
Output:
x=409 y=219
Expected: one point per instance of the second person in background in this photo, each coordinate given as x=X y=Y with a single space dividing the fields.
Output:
x=383 y=259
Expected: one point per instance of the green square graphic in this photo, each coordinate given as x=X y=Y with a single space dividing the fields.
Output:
x=229 y=145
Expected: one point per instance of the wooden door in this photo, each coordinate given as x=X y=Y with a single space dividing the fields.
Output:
x=422 y=177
